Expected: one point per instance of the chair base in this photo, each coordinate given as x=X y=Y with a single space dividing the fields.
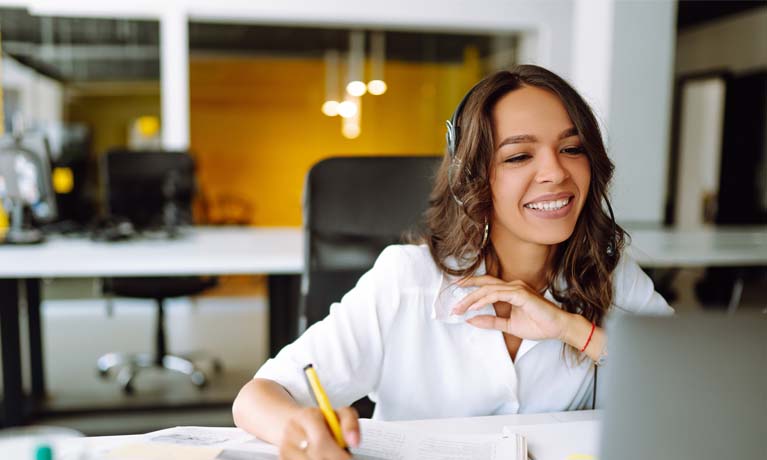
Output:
x=128 y=366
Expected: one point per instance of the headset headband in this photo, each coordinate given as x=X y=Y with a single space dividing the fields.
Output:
x=453 y=133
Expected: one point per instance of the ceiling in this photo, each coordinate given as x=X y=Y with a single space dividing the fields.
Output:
x=90 y=49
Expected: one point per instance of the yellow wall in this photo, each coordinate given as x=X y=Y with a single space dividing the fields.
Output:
x=109 y=112
x=256 y=125
x=257 y=128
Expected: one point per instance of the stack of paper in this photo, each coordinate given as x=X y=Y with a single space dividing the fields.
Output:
x=380 y=441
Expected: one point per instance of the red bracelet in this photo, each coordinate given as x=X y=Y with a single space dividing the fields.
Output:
x=588 y=341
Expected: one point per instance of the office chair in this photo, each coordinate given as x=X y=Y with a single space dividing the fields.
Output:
x=153 y=191
x=353 y=208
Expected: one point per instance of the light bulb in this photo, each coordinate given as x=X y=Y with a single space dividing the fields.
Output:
x=350 y=130
x=347 y=109
x=330 y=108
x=356 y=88
x=376 y=87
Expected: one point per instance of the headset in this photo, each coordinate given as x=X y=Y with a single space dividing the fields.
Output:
x=452 y=137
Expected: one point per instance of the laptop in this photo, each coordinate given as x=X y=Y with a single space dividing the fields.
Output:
x=691 y=386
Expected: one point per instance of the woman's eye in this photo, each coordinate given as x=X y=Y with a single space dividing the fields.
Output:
x=517 y=158
x=574 y=150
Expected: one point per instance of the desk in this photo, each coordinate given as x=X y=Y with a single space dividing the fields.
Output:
x=548 y=435
x=276 y=252
x=707 y=247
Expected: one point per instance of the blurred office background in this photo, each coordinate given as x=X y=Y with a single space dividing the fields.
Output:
x=680 y=88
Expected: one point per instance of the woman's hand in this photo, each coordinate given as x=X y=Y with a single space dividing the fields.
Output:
x=307 y=435
x=532 y=316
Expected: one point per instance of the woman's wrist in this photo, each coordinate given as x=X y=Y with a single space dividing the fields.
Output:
x=585 y=337
x=577 y=330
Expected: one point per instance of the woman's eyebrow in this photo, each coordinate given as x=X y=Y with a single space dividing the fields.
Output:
x=518 y=139
x=530 y=139
x=569 y=132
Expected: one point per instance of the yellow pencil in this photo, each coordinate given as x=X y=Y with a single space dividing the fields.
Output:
x=324 y=404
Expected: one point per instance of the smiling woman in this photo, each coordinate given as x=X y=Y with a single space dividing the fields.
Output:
x=518 y=262
x=535 y=173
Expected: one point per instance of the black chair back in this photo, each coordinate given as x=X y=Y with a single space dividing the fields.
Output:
x=353 y=208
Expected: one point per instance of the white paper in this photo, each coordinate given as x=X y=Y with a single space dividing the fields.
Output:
x=559 y=441
x=387 y=441
x=235 y=444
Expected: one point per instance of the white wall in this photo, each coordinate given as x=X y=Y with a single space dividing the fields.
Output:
x=738 y=43
x=41 y=98
x=640 y=107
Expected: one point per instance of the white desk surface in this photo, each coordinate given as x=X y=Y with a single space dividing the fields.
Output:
x=713 y=246
x=199 y=251
x=279 y=250
x=548 y=434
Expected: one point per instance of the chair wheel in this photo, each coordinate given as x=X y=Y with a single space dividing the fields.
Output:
x=125 y=378
x=217 y=366
x=199 y=379
x=128 y=388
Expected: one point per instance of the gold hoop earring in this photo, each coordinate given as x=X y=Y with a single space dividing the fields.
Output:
x=486 y=234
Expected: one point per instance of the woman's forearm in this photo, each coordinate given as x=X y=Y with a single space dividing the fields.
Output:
x=262 y=408
x=577 y=334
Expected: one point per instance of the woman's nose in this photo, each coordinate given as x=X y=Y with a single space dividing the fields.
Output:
x=551 y=169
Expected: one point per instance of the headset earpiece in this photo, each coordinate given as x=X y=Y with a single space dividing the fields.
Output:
x=452 y=138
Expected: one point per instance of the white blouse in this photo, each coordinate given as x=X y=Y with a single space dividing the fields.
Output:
x=393 y=339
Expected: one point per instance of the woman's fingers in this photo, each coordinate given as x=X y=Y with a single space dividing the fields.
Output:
x=512 y=296
x=481 y=280
x=350 y=425
x=291 y=452
x=320 y=442
x=488 y=295
x=485 y=280
x=295 y=442
x=489 y=322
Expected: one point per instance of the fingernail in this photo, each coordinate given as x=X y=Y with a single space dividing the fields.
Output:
x=352 y=437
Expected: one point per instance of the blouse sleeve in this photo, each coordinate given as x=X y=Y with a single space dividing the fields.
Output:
x=634 y=292
x=346 y=348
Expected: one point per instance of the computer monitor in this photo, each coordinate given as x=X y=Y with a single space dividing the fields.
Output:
x=151 y=189
x=25 y=185
x=691 y=386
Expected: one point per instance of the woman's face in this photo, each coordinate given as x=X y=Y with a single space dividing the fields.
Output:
x=540 y=173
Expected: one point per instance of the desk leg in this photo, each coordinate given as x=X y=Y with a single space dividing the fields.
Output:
x=35 y=338
x=11 y=344
x=284 y=293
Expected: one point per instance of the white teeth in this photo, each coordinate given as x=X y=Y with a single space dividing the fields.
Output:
x=548 y=205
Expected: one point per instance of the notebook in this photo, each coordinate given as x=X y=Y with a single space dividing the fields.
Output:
x=380 y=441
x=388 y=441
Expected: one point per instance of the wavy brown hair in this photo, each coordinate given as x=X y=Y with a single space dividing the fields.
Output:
x=455 y=231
